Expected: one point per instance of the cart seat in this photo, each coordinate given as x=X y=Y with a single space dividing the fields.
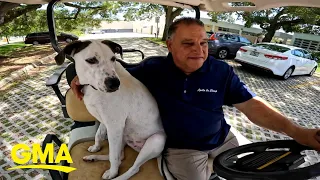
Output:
x=95 y=170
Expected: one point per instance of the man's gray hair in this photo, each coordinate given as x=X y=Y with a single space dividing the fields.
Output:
x=185 y=20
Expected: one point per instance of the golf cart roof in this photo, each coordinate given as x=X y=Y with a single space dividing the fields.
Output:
x=204 y=5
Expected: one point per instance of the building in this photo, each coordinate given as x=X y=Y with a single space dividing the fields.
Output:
x=220 y=26
x=150 y=27
x=116 y=26
x=306 y=41
x=230 y=27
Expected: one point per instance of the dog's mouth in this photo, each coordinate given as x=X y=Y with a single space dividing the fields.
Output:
x=109 y=90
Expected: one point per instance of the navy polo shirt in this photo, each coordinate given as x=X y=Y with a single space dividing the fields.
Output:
x=191 y=105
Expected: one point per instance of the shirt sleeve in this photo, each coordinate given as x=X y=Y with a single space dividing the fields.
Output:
x=236 y=90
x=138 y=72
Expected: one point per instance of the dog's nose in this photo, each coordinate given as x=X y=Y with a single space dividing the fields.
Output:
x=112 y=84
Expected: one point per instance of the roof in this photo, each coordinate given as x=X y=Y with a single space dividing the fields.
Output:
x=205 y=5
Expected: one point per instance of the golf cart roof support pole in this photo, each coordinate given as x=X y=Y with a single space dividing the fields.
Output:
x=51 y=25
x=196 y=8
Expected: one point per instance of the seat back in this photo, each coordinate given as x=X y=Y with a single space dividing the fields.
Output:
x=131 y=65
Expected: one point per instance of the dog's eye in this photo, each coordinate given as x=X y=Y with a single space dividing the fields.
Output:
x=113 y=59
x=92 y=60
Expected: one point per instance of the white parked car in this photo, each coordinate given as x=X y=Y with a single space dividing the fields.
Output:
x=282 y=60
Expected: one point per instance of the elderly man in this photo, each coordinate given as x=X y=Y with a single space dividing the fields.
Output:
x=190 y=88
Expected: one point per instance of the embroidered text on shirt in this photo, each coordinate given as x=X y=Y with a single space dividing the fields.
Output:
x=207 y=90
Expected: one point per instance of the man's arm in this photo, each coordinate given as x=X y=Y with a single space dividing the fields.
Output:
x=263 y=114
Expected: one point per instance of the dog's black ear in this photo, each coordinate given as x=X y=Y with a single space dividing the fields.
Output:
x=116 y=48
x=73 y=47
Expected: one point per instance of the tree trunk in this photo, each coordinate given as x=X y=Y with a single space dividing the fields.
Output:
x=5 y=7
x=169 y=20
x=7 y=40
x=170 y=15
x=270 y=33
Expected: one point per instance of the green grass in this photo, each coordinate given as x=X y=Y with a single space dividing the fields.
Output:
x=318 y=69
x=157 y=40
x=9 y=48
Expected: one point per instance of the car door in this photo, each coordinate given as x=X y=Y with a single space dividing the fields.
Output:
x=46 y=37
x=225 y=40
x=235 y=43
x=309 y=65
x=299 y=61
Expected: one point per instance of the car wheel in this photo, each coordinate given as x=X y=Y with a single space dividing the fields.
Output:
x=288 y=73
x=223 y=53
x=312 y=71
x=68 y=40
x=35 y=42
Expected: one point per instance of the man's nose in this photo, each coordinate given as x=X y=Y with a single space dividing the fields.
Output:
x=112 y=83
x=197 y=47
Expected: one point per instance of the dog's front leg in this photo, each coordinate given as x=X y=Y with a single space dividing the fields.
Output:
x=152 y=148
x=115 y=138
x=100 y=136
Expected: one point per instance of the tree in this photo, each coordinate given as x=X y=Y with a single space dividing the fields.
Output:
x=290 y=19
x=221 y=16
x=273 y=19
x=10 y=11
x=72 y=19
x=141 y=11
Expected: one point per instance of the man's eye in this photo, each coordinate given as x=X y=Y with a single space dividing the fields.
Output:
x=93 y=60
x=113 y=59
x=188 y=44
x=204 y=43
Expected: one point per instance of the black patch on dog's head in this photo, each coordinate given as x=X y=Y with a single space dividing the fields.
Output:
x=73 y=47
x=116 y=48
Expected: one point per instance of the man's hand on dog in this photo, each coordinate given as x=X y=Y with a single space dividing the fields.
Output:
x=76 y=87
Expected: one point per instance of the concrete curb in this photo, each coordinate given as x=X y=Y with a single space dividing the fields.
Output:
x=155 y=43
x=16 y=74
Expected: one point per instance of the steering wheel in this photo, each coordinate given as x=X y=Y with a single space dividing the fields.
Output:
x=271 y=160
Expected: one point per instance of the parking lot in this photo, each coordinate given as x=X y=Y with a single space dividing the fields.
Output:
x=31 y=110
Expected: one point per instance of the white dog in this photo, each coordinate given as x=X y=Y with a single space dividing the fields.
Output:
x=127 y=111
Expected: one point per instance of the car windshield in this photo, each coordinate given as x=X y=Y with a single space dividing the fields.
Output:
x=272 y=47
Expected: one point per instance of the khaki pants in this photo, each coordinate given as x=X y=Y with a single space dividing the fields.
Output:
x=186 y=164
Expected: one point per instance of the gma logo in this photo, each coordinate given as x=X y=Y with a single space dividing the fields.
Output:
x=36 y=153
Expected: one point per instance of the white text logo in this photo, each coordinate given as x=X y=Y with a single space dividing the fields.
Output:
x=207 y=90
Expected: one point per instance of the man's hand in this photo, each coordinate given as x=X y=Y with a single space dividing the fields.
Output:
x=308 y=137
x=76 y=87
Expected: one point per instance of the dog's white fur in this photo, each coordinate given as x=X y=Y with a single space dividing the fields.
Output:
x=128 y=115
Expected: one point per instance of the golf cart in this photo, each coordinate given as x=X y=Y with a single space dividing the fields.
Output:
x=263 y=160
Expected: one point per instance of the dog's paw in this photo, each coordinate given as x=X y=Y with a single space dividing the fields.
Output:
x=94 y=148
x=119 y=178
x=109 y=175
x=90 y=158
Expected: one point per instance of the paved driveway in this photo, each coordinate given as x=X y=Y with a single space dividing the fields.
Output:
x=31 y=110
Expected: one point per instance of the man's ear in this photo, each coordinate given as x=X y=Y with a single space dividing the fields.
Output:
x=169 y=42
x=116 y=48
x=73 y=47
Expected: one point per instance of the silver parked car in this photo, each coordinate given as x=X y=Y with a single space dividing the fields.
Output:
x=223 y=45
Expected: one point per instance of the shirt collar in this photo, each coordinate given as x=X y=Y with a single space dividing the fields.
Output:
x=206 y=67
